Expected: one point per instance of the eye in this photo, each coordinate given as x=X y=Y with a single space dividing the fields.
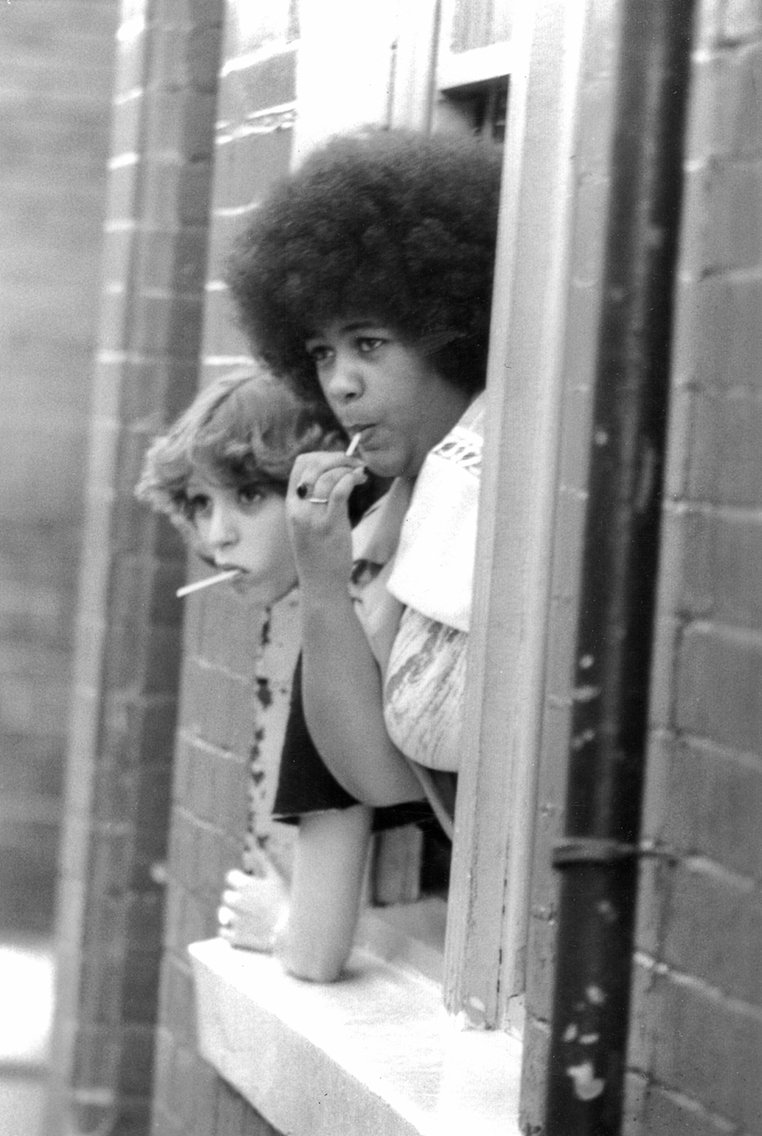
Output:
x=320 y=353
x=366 y=344
x=248 y=495
x=197 y=507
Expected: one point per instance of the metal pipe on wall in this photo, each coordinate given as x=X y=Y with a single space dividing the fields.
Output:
x=598 y=856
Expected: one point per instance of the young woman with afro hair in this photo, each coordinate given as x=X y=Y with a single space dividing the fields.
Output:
x=365 y=278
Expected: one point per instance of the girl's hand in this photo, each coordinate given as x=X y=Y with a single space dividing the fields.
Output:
x=317 y=508
x=253 y=909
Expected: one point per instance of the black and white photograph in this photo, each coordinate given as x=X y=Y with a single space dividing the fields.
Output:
x=381 y=568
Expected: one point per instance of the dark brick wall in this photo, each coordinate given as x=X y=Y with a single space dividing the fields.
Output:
x=696 y=1039
x=55 y=91
x=155 y=814
x=236 y=661
x=697 y=1036
x=111 y=894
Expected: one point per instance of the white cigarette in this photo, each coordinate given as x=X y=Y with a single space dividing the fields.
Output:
x=353 y=445
x=229 y=574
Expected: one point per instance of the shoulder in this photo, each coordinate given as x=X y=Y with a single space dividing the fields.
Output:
x=462 y=446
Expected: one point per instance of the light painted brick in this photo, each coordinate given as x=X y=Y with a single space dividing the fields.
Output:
x=724 y=119
x=714 y=799
x=661 y=1113
x=701 y=899
x=720 y=684
x=707 y=1050
x=734 y=238
x=718 y=549
x=740 y=20
x=725 y=433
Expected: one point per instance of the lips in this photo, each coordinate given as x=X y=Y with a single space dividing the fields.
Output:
x=364 y=430
x=242 y=572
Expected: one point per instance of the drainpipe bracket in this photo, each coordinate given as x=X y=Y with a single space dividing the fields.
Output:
x=596 y=850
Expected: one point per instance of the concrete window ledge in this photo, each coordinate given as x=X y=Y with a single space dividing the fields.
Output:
x=375 y=1053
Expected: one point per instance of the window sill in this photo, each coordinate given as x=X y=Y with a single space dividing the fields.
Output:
x=373 y=1053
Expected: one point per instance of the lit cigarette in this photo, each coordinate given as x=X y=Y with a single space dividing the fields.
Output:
x=353 y=445
x=230 y=574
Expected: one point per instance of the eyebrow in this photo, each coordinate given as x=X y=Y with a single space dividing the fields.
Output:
x=355 y=325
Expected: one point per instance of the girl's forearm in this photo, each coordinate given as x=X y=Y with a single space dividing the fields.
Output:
x=342 y=696
x=326 y=888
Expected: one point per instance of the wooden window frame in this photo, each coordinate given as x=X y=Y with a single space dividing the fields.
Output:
x=487 y=919
x=510 y=647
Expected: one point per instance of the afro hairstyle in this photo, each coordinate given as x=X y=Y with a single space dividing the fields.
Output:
x=244 y=428
x=393 y=225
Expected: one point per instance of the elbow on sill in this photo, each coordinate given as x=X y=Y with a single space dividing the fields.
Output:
x=310 y=967
x=311 y=962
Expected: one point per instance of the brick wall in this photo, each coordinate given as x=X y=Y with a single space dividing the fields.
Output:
x=237 y=662
x=697 y=1037
x=55 y=90
x=697 y=998
x=129 y=622
x=696 y=1040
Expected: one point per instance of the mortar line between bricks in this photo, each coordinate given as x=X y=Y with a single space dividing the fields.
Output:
x=130 y=96
x=226 y=360
x=228 y=212
x=746 y=274
x=689 y=1103
x=268 y=123
x=725 y=45
x=741 y=636
x=205 y=664
x=706 y=866
x=206 y=747
x=746 y=758
x=698 y=986
x=196 y=822
x=150 y=228
x=267 y=112
x=735 y=392
x=260 y=55
x=680 y=507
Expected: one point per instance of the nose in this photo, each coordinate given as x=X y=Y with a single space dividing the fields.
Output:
x=223 y=529
x=344 y=380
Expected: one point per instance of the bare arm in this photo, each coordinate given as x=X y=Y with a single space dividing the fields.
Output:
x=342 y=698
x=342 y=691
x=311 y=932
x=326 y=889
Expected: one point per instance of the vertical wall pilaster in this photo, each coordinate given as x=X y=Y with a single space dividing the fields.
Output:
x=111 y=896
x=237 y=661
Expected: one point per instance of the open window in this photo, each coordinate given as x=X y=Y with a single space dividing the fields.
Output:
x=446 y=66
x=451 y=74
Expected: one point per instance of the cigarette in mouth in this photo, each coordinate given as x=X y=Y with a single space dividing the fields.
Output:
x=352 y=445
x=229 y=574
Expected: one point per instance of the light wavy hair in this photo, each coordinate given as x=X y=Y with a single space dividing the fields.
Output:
x=245 y=428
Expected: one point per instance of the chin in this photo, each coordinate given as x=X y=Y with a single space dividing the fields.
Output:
x=384 y=465
x=264 y=592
